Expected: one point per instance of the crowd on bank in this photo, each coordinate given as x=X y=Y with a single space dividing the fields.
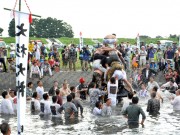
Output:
x=118 y=72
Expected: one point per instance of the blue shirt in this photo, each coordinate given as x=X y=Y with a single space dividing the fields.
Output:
x=151 y=53
x=170 y=54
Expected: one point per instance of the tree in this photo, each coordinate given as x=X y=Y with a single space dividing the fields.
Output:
x=1 y=30
x=11 y=30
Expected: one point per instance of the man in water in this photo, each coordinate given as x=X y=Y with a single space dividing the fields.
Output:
x=107 y=110
x=5 y=128
x=68 y=107
x=132 y=113
x=176 y=101
x=153 y=106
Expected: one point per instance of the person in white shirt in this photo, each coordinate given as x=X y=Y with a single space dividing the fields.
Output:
x=13 y=98
x=171 y=83
x=127 y=101
x=37 y=51
x=12 y=51
x=6 y=105
x=98 y=108
x=35 y=70
x=176 y=101
x=40 y=89
x=152 y=84
x=45 y=105
x=55 y=107
x=142 y=55
x=45 y=67
x=35 y=104
x=112 y=88
x=143 y=92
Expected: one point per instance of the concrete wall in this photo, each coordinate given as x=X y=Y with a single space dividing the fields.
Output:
x=8 y=80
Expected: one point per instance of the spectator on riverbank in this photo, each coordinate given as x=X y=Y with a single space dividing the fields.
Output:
x=132 y=113
x=72 y=58
x=35 y=70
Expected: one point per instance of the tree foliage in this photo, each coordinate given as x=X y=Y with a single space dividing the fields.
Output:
x=46 y=28
x=11 y=30
x=1 y=30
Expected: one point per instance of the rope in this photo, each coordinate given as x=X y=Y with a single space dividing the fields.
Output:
x=27 y=6
x=14 y=8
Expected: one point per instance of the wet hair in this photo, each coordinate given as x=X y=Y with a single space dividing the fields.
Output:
x=72 y=88
x=153 y=94
x=114 y=34
x=4 y=94
x=155 y=88
x=135 y=100
x=54 y=99
x=29 y=84
x=91 y=85
x=97 y=104
x=69 y=98
x=57 y=92
x=4 y=128
x=13 y=91
x=171 y=80
x=113 y=80
x=45 y=96
x=38 y=82
x=55 y=81
x=73 y=95
x=35 y=94
x=130 y=95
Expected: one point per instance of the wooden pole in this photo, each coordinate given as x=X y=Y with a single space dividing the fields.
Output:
x=32 y=14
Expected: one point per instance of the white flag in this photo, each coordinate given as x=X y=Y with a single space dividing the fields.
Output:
x=80 y=41
x=138 y=41
x=22 y=41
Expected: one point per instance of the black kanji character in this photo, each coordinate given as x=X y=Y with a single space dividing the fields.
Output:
x=17 y=50
x=21 y=30
x=21 y=69
x=20 y=88
x=23 y=49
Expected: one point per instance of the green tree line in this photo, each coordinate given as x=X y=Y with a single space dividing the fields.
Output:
x=46 y=28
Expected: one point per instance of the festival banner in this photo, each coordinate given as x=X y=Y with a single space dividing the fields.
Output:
x=138 y=41
x=80 y=41
x=22 y=41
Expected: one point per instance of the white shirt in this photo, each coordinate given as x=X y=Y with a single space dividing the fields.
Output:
x=176 y=103
x=143 y=54
x=45 y=107
x=40 y=91
x=14 y=103
x=57 y=106
x=12 y=50
x=36 y=104
x=152 y=85
x=6 y=107
x=126 y=102
x=119 y=74
x=168 y=85
x=112 y=92
x=97 y=111
x=147 y=73
x=35 y=69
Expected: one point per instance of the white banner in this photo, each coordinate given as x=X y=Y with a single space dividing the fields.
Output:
x=22 y=41
x=80 y=41
x=138 y=41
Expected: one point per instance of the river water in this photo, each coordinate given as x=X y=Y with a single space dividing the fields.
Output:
x=168 y=123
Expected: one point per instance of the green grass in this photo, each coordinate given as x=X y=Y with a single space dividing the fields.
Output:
x=67 y=41
x=9 y=40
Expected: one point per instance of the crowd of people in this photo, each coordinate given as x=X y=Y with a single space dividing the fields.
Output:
x=117 y=78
